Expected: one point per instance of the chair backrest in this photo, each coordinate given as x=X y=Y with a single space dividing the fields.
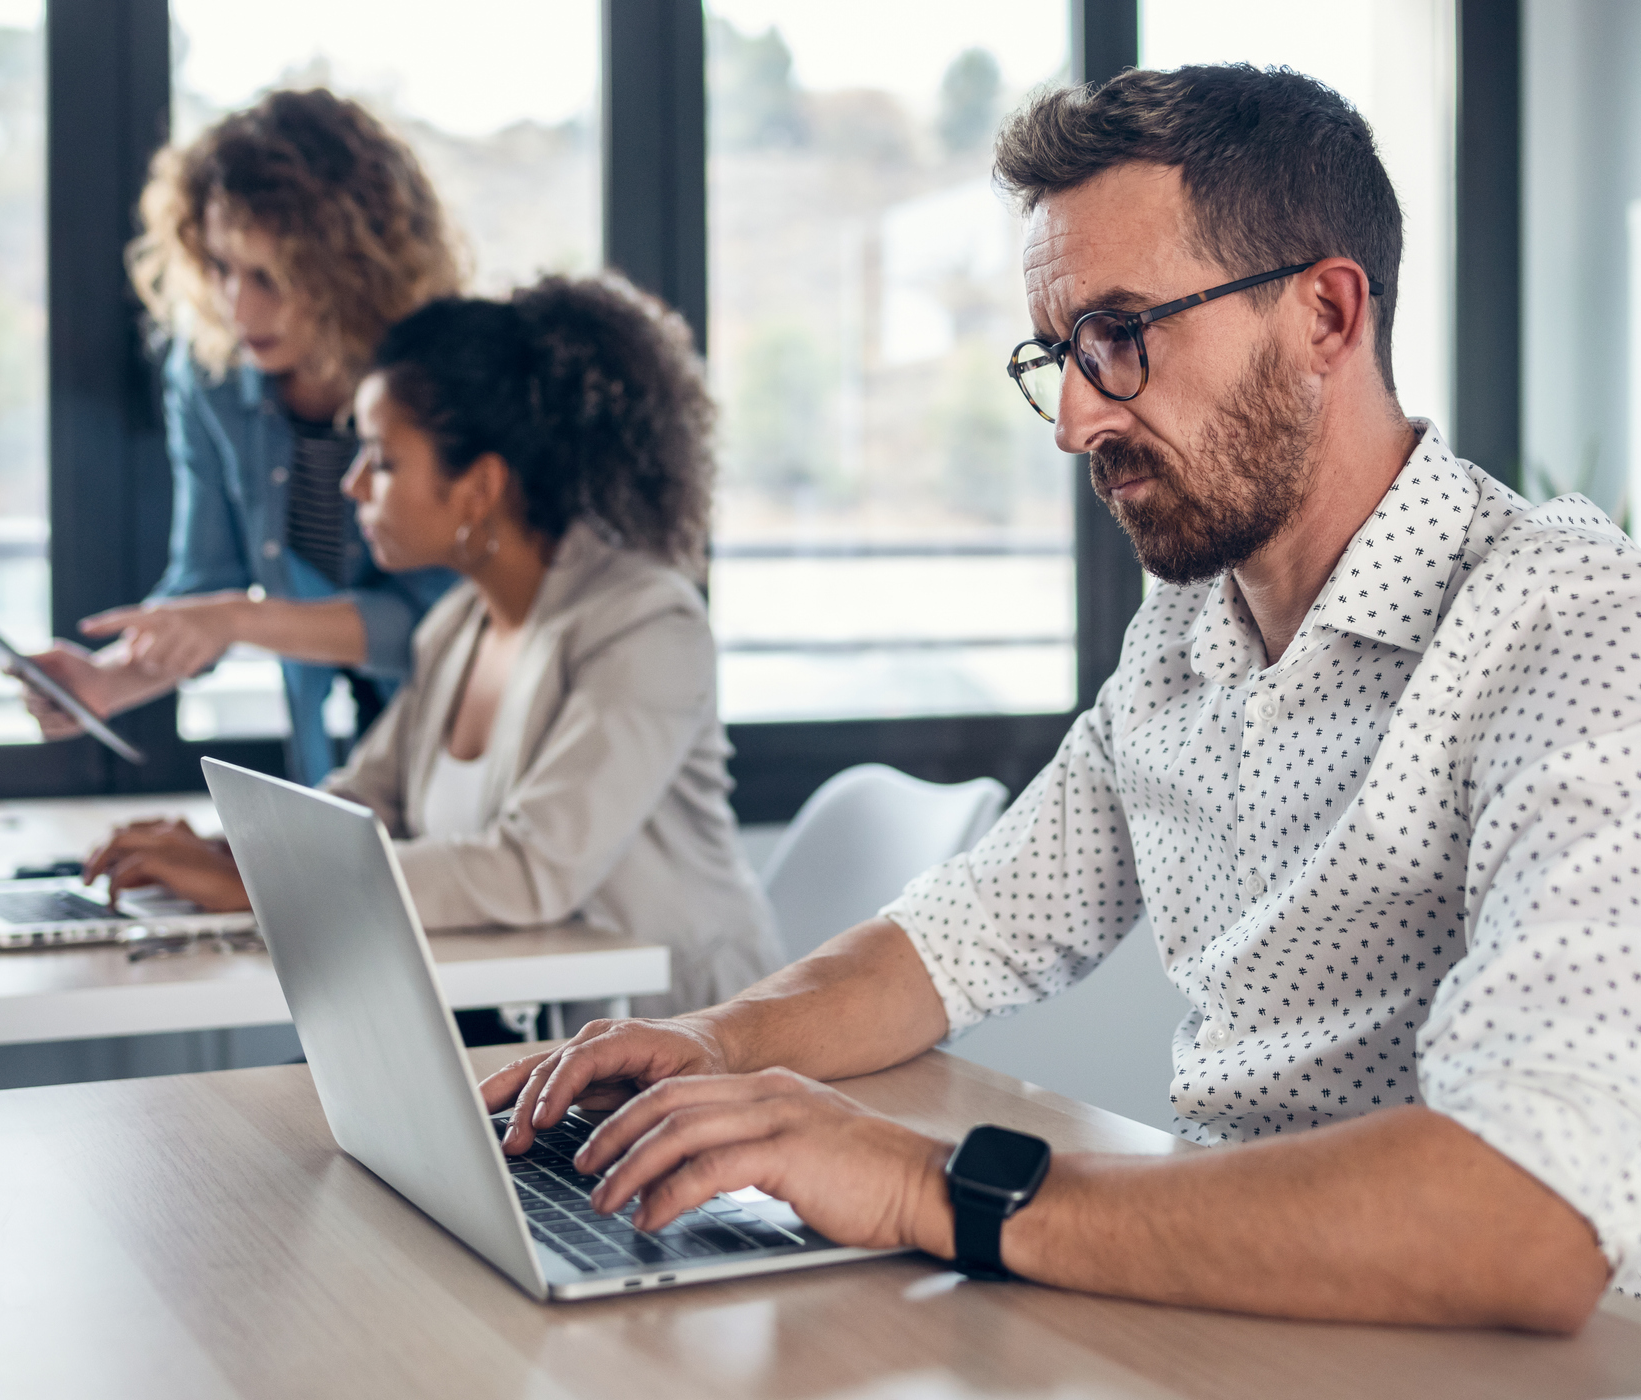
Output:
x=857 y=841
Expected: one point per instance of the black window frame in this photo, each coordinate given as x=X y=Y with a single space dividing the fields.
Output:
x=108 y=109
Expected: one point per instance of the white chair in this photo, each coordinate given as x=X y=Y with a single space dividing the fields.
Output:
x=857 y=841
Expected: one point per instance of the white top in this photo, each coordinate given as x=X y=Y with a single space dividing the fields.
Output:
x=454 y=805
x=1399 y=866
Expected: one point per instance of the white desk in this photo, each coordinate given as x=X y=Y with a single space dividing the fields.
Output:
x=84 y=993
x=38 y=830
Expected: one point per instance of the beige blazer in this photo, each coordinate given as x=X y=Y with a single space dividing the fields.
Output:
x=606 y=792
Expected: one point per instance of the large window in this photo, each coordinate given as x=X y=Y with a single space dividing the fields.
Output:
x=897 y=540
x=1393 y=59
x=25 y=572
x=1581 y=224
x=894 y=529
x=500 y=108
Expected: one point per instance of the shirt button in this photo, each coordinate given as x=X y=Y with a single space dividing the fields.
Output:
x=278 y=476
x=1267 y=709
x=1256 y=884
x=270 y=549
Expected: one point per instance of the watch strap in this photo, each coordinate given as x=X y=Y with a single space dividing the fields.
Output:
x=978 y=1237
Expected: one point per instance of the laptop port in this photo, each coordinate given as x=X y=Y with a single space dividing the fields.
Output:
x=668 y=1278
x=631 y=1282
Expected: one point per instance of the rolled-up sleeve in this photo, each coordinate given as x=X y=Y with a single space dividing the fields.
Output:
x=1042 y=898
x=1532 y=1042
x=391 y=606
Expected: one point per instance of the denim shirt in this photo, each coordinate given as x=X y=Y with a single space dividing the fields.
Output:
x=231 y=446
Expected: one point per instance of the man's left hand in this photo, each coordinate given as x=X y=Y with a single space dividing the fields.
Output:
x=856 y=1177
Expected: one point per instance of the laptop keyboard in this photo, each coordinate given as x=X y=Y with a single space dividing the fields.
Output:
x=51 y=907
x=555 y=1200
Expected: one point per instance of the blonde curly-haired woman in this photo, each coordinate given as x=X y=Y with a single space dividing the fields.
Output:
x=276 y=250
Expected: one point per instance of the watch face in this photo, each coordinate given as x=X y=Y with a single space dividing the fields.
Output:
x=1003 y=1161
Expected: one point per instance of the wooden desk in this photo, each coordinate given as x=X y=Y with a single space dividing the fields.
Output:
x=202 y=1236
x=83 y=993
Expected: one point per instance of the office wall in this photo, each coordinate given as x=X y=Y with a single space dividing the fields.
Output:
x=1105 y=1042
x=1581 y=230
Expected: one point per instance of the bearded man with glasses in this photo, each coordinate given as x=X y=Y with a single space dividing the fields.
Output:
x=1370 y=764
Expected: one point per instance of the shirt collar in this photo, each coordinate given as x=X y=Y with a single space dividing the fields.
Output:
x=1390 y=584
x=1226 y=647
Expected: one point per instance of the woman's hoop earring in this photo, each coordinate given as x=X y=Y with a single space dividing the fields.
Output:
x=464 y=532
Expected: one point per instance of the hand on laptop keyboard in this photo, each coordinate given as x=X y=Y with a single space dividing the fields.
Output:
x=857 y=1178
x=169 y=853
x=601 y=1066
x=554 y=1196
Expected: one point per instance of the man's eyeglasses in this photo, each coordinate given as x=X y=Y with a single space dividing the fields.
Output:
x=1109 y=347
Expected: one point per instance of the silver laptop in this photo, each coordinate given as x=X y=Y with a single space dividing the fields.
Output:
x=46 y=912
x=397 y=1088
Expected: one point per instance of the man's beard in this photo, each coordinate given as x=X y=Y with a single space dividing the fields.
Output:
x=1250 y=475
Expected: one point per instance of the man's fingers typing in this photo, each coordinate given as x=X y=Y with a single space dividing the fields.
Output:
x=501 y=1088
x=521 y=1130
x=686 y=1133
x=619 y=1133
x=727 y=1168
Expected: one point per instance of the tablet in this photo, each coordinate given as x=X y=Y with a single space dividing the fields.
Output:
x=31 y=675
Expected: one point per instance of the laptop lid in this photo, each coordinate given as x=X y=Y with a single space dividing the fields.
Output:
x=353 y=960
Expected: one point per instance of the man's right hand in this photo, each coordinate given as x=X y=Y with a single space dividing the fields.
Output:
x=602 y=1066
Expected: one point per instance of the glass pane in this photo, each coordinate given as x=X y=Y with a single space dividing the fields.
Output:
x=894 y=529
x=1581 y=253
x=1394 y=61
x=501 y=109
x=25 y=571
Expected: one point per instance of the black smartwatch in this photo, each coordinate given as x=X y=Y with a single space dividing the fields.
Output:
x=993 y=1173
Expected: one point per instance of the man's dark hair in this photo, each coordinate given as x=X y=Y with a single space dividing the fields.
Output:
x=1278 y=168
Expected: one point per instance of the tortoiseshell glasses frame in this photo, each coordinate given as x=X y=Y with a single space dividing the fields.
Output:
x=1110 y=346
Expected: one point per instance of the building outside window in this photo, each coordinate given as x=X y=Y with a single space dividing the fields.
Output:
x=894 y=529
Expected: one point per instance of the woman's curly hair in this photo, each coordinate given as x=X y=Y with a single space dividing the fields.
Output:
x=362 y=237
x=588 y=388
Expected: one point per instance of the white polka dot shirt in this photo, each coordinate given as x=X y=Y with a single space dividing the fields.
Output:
x=1400 y=866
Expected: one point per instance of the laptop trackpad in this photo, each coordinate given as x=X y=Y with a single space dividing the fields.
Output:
x=775 y=1212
